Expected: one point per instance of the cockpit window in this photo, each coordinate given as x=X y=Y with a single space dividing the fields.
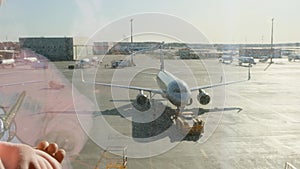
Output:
x=178 y=87
x=176 y=90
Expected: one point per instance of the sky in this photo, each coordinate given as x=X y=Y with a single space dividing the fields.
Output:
x=220 y=21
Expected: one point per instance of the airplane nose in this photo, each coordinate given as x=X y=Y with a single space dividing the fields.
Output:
x=187 y=99
x=183 y=99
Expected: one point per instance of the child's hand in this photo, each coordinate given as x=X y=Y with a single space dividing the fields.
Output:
x=21 y=156
x=52 y=149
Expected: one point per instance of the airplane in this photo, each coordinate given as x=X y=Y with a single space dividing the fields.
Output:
x=7 y=119
x=7 y=62
x=87 y=62
x=35 y=63
x=30 y=59
x=171 y=88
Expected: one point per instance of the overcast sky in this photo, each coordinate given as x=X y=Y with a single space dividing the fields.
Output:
x=220 y=21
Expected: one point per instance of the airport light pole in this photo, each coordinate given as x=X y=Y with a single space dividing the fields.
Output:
x=272 y=50
x=131 y=41
x=131 y=38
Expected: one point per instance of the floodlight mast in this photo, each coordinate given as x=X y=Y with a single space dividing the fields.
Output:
x=131 y=41
x=272 y=50
x=131 y=38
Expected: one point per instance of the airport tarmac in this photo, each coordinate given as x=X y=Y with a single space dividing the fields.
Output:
x=259 y=127
x=254 y=124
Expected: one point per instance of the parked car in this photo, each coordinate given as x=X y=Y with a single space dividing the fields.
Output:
x=248 y=60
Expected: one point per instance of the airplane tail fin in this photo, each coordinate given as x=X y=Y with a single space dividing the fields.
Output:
x=162 y=63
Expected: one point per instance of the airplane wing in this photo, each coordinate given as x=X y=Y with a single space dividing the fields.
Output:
x=220 y=84
x=157 y=91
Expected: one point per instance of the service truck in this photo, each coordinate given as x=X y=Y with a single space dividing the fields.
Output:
x=189 y=124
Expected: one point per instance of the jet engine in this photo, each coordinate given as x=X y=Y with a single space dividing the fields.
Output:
x=142 y=102
x=203 y=97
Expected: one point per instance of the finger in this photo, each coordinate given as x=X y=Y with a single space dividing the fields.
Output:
x=50 y=159
x=60 y=155
x=26 y=164
x=23 y=165
x=42 y=145
x=33 y=165
x=44 y=164
x=52 y=149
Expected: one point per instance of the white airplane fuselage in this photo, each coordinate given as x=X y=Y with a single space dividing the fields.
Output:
x=7 y=62
x=30 y=59
x=175 y=89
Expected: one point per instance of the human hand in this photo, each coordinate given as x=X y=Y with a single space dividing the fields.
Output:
x=52 y=149
x=21 y=156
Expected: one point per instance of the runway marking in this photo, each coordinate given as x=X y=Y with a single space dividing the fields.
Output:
x=274 y=111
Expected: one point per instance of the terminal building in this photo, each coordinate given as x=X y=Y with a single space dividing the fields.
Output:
x=128 y=47
x=259 y=52
x=55 y=49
